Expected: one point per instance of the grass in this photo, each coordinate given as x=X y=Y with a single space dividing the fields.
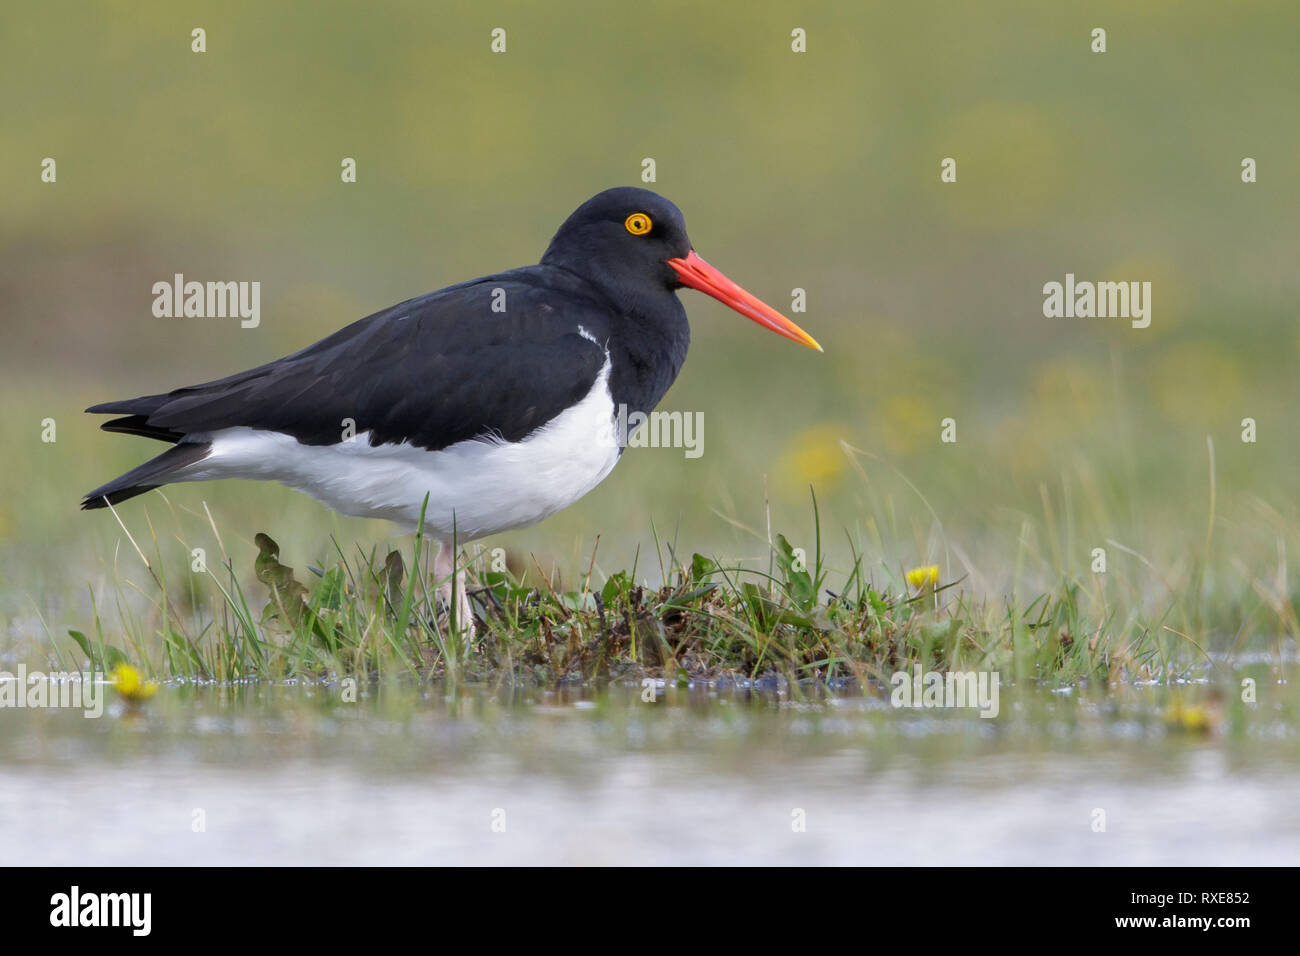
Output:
x=375 y=614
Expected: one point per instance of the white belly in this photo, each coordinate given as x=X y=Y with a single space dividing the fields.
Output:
x=479 y=487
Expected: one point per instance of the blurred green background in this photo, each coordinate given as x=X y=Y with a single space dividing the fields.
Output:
x=817 y=170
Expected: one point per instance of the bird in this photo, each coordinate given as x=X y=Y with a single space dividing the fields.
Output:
x=485 y=406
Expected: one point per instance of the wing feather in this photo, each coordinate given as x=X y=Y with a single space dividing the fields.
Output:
x=431 y=371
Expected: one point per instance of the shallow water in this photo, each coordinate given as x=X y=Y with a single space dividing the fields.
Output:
x=289 y=773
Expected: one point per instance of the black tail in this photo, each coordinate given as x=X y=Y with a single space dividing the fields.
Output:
x=154 y=472
x=136 y=422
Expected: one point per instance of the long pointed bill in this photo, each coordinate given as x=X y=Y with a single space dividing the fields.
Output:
x=695 y=273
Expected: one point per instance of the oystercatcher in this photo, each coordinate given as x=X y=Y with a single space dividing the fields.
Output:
x=496 y=398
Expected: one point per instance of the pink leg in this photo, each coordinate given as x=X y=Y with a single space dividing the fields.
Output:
x=450 y=588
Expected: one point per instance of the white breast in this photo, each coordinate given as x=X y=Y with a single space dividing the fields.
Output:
x=483 y=486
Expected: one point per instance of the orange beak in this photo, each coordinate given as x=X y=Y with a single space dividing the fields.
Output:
x=695 y=273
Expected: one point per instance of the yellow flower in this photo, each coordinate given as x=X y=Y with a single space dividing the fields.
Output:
x=907 y=424
x=130 y=683
x=921 y=578
x=814 y=456
x=1191 y=720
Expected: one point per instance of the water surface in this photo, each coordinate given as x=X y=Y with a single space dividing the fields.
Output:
x=289 y=773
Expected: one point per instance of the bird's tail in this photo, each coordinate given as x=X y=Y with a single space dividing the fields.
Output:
x=154 y=472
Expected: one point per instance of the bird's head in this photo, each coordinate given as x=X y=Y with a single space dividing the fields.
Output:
x=631 y=241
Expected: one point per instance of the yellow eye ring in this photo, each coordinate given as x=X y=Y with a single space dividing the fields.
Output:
x=638 y=224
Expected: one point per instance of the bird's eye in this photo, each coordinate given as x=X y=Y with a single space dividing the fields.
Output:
x=638 y=223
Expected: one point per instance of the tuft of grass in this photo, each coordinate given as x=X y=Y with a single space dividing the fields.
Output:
x=785 y=615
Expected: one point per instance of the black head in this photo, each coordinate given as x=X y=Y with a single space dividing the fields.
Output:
x=632 y=245
x=621 y=240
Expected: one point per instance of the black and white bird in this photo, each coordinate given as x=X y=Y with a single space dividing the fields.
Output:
x=496 y=398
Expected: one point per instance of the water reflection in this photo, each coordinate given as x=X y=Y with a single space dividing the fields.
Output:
x=296 y=773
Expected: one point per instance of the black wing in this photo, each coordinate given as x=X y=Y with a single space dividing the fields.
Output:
x=434 y=370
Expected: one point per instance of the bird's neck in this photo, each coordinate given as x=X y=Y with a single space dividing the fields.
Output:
x=647 y=337
x=647 y=352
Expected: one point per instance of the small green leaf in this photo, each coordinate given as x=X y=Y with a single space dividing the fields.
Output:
x=701 y=568
x=110 y=658
x=330 y=590
x=113 y=657
x=83 y=643
x=798 y=582
x=287 y=594
x=616 y=587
